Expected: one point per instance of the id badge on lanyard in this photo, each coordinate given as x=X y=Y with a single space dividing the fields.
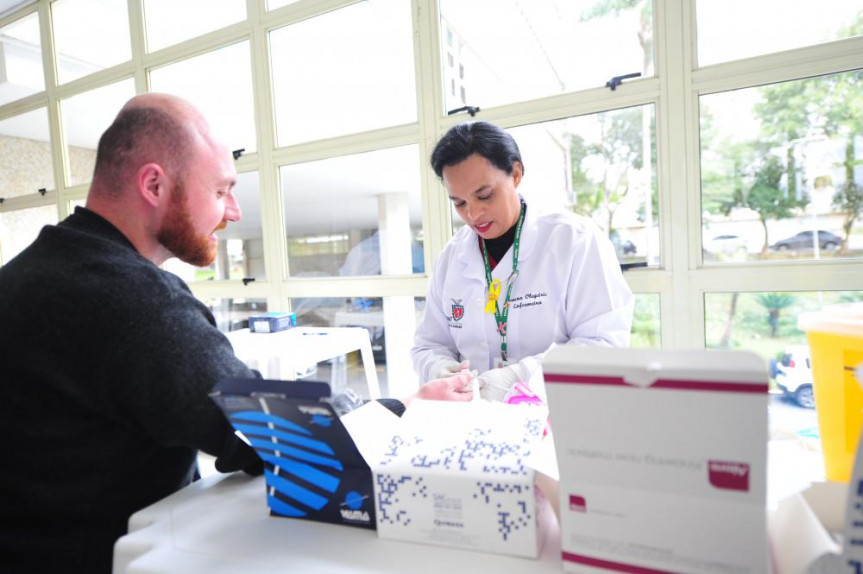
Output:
x=494 y=291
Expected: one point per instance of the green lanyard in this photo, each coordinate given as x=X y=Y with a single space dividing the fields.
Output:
x=494 y=285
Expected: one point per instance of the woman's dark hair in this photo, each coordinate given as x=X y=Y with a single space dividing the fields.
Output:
x=464 y=140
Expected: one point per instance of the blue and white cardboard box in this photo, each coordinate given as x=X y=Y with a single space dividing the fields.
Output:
x=456 y=474
x=312 y=467
x=272 y=322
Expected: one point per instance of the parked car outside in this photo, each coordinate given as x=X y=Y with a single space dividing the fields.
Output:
x=623 y=247
x=793 y=375
x=827 y=241
x=726 y=247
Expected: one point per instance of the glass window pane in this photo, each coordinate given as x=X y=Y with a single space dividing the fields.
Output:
x=85 y=117
x=516 y=51
x=733 y=29
x=21 y=59
x=779 y=162
x=241 y=243
x=360 y=78
x=766 y=324
x=273 y=4
x=219 y=84
x=25 y=154
x=354 y=215
x=233 y=314
x=170 y=22
x=601 y=166
x=646 y=331
x=19 y=228
x=89 y=35
x=391 y=322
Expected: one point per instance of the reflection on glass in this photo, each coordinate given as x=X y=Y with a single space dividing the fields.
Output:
x=19 y=228
x=391 y=323
x=85 y=117
x=233 y=314
x=170 y=22
x=514 y=51
x=361 y=76
x=89 y=35
x=646 y=330
x=219 y=84
x=241 y=244
x=778 y=163
x=25 y=154
x=21 y=55
x=601 y=166
x=354 y=215
x=733 y=29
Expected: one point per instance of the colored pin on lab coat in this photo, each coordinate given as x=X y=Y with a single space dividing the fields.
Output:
x=493 y=295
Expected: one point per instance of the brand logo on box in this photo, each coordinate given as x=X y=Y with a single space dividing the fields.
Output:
x=354 y=512
x=577 y=503
x=728 y=475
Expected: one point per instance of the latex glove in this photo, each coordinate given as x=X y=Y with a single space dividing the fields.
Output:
x=454 y=388
x=444 y=368
x=494 y=384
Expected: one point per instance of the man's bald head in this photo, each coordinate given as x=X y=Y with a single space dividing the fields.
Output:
x=151 y=128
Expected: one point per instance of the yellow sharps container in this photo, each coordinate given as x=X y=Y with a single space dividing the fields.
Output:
x=835 y=336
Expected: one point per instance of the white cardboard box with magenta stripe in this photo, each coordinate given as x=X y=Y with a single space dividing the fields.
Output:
x=662 y=458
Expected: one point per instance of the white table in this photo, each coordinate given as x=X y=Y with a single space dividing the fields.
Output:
x=221 y=524
x=284 y=354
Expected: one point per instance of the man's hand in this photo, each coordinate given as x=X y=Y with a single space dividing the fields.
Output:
x=454 y=388
x=494 y=384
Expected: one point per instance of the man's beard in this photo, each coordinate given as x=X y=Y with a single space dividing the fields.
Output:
x=178 y=235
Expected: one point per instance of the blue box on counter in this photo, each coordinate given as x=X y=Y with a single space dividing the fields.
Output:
x=272 y=322
x=312 y=467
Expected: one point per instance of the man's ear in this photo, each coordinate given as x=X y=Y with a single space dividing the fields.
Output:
x=152 y=184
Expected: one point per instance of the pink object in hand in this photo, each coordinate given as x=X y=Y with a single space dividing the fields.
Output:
x=521 y=393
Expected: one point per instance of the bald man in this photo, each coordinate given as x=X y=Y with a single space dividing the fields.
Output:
x=107 y=360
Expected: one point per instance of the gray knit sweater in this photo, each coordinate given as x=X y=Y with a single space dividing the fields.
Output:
x=105 y=365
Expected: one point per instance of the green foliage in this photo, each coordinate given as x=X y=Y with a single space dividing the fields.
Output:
x=588 y=193
x=766 y=197
x=790 y=113
x=645 y=322
x=848 y=200
x=851 y=297
x=601 y=187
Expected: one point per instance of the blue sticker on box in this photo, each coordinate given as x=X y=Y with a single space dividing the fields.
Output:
x=312 y=467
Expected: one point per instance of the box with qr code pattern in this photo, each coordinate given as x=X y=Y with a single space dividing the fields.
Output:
x=466 y=483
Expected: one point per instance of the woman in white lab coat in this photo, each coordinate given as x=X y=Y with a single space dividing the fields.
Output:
x=512 y=282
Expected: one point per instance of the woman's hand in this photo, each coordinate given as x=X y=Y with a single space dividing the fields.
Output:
x=494 y=384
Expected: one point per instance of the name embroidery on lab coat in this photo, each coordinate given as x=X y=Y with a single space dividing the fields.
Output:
x=528 y=300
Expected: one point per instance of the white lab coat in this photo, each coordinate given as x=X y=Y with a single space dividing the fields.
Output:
x=569 y=290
